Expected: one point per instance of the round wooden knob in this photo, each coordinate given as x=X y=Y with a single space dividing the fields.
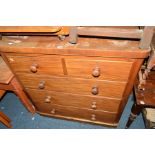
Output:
x=53 y=111
x=93 y=117
x=93 y=106
x=96 y=72
x=94 y=90
x=48 y=99
x=33 y=68
x=41 y=85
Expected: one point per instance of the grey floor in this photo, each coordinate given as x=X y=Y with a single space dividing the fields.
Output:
x=21 y=119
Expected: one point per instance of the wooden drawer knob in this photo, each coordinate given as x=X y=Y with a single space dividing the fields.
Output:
x=94 y=90
x=41 y=85
x=93 y=117
x=96 y=72
x=93 y=105
x=53 y=111
x=48 y=99
x=33 y=68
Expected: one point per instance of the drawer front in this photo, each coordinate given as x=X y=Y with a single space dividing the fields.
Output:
x=85 y=67
x=100 y=69
x=73 y=100
x=36 y=64
x=74 y=85
x=77 y=114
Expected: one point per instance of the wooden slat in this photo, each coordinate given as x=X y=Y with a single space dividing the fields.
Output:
x=147 y=37
x=34 y=30
x=73 y=35
x=151 y=60
x=5 y=122
x=110 y=32
x=5 y=117
x=30 y=28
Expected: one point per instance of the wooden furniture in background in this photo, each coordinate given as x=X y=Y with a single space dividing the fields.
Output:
x=144 y=97
x=5 y=120
x=60 y=31
x=63 y=30
x=144 y=89
x=89 y=81
x=133 y=32
x=144 y=34
x=8 y=82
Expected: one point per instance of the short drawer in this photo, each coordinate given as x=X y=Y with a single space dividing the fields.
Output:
x=36 y=64
x=77 y=114
x=74 y=85
x=73 y=100
x=103 y=69
x=72 y=66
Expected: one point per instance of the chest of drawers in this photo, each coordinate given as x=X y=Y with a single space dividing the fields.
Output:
x=90 y=81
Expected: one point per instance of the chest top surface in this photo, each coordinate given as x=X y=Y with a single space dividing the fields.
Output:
x=86 y=46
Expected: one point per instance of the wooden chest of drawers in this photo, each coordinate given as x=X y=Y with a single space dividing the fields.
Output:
x=90 y=81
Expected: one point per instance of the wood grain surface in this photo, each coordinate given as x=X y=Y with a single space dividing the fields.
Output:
x=76 y=113
x=72 y=66
x=74 y=85
x=5 y=73
x=73 y=100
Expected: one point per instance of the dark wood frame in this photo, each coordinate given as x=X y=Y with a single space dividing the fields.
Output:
x=137 y=106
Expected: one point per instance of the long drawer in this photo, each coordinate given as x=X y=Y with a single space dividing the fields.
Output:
x=74 y=85
x=73 y=100
x=77 y=113
x=72 y=66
